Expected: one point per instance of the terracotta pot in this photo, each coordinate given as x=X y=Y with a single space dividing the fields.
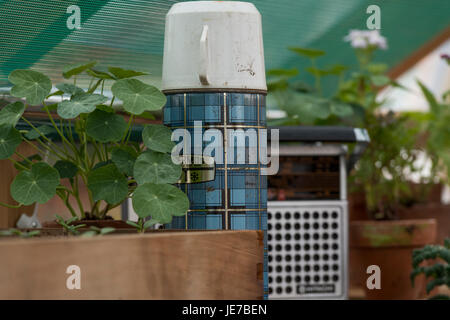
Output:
x=389 y=245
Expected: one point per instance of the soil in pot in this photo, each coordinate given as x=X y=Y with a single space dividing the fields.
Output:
x=90 y=222
x=389 y=245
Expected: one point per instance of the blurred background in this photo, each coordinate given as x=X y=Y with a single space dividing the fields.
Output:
x=398 y=90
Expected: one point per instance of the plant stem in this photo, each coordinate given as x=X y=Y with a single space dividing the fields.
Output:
x=23 y=157
x=130 y=121
x=64 y=139
x=18 y=164
x=44 y=137
x=65 y=197
x=77 y=197
x=105 y=146
x=10 y=205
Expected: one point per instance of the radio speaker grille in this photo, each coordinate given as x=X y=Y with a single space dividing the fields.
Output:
x=307 y=247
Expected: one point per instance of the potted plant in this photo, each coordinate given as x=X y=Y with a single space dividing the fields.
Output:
x=87 y=143
x=381 y=173
x=95 y=150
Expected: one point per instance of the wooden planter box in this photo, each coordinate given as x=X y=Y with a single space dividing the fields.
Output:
x=158 y=265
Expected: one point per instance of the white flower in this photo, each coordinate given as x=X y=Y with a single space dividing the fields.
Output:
x=365 y=38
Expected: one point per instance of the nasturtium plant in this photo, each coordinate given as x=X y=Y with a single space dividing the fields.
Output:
x=11 y=113
x=157 y=138
x=35 y=185
x=156 y=167
x=80 y=103
x=105 y=126
x=29 y=84
x=87 y=140
x=164 y=201
x=9 y=140
x=137 y=96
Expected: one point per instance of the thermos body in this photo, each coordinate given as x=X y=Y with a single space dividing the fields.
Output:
x=214 y=80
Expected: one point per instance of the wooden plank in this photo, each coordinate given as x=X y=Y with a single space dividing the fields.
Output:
x=175 y=265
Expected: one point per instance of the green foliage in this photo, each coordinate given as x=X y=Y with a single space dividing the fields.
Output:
x=29 y=84
x=156 y=167
x=68 y=225
x=157 y=138
x=96 y=231
x=108 y=183
x=81 y=103
x=35 y=185
x=305 y=52
x=438 y=129
x=77 y=68
x=69 y=88
x=11 y=113
x=95 y=147
x=301 y=103
x=124 y=158
x=66 y=169
x=20 y=233
x=439 y=272
x=43 y=130
x=160 y=201
x=137 y=96
x=391 y=155
x=140 y=225
x=120 y=73
x=105 y=126
x=9 y=140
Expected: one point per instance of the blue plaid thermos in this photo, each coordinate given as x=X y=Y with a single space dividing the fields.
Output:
x=214 y=80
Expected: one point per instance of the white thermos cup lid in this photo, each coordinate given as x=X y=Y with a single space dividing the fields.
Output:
x=210 y=45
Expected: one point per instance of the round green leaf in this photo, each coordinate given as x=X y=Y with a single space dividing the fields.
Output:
x=66 y=169
x=44 y=129
x=69 y=88
x=158 y=138
x=11 y=113
x=156 y=167
x=341 y=109
x=84 y=103
x=108 y=183
x=29 y=84
x=105 y=126
x=99 y=74
x=120 y=73
x=37 y=185
x=160 y=201
x=77 y=68
x=105 y=108
x=101 y=164
x=124 y=159
x=307 y=107
x=10 y=139
x=137 y=96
